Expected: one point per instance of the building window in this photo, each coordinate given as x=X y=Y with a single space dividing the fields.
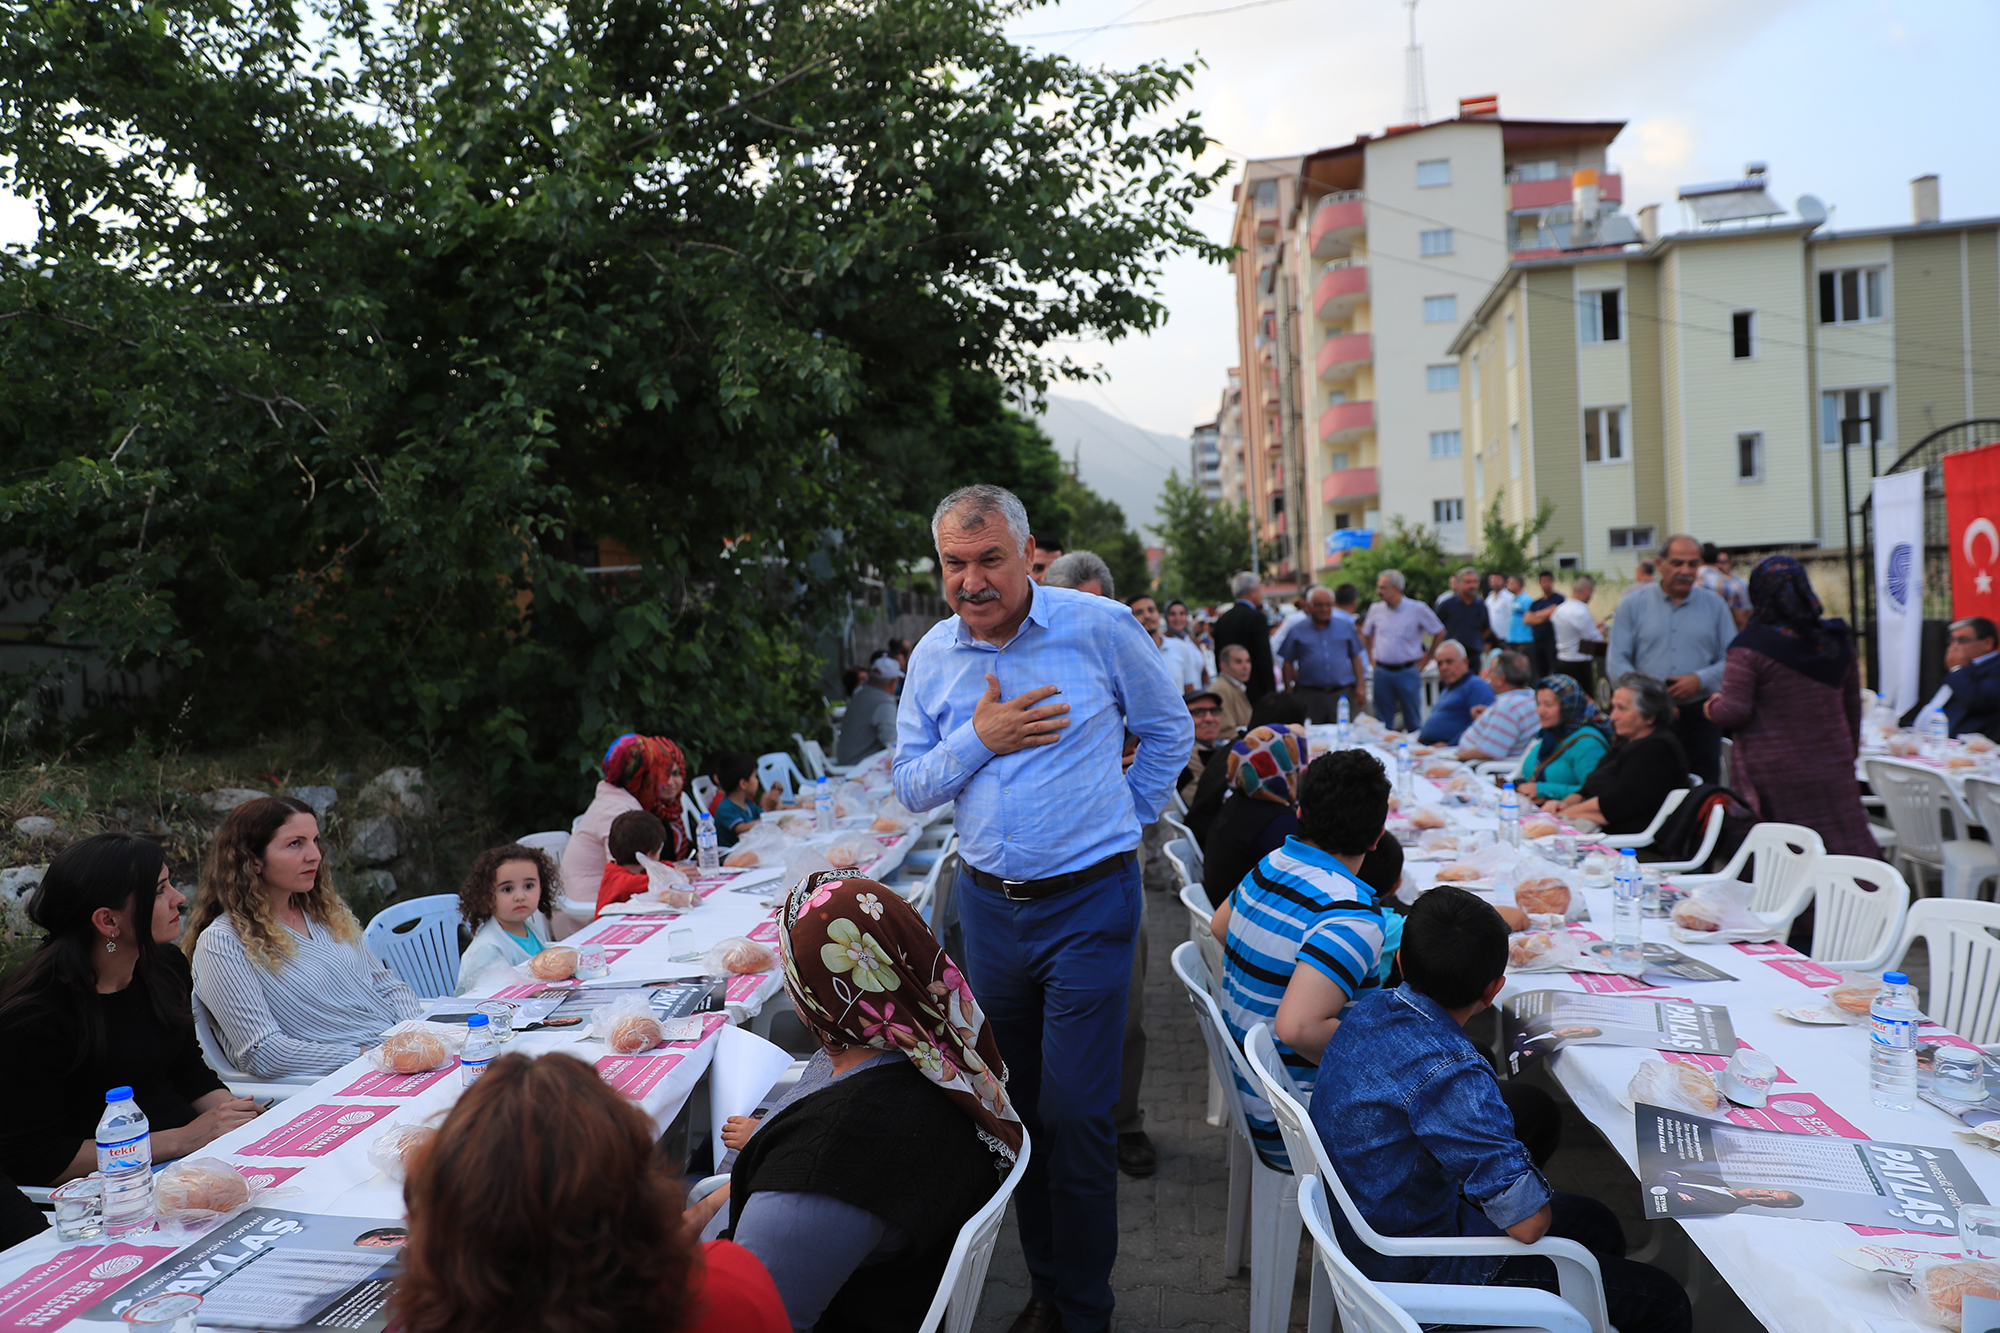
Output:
x=1335 y=397
x=1337 y=463
x=1475 y=377
x=1850 y=295
x=1447 y=444
x=1513 y=448
x=1507 y=330
x=1445 y=512
x=1743 y=334
x=1433 y=173
x=1436 y=242
x=1546 y=170
x=1341 y=522
x=1440 y=309
x=1441 y=379
x=1278 y=505
x=1604 y=435
x=1750 y=456
x=1853 y=415
x=1631 y=539
x=1569 y=562
x=1598 y=317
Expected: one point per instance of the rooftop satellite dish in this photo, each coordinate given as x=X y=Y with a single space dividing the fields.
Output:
x=1811 y=209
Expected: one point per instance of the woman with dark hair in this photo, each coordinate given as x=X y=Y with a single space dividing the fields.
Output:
x=1626 y=789
x=278 y=960
x=1786 y=675
x=506 y=901
x=542 y=1206
x=1571 y=742
x=640 y=773
x=853 y=1190
x=1261 y=809
x=102 y=1004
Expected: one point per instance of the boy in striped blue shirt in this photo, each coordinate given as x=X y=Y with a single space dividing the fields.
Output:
x=1303 y=934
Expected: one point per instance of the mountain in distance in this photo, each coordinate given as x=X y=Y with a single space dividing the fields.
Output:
x=1124 y=463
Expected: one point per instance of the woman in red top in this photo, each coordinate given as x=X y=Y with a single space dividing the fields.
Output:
x=540 y=1208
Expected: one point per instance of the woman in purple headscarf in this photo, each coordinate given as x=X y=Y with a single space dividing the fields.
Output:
x=1791 y=700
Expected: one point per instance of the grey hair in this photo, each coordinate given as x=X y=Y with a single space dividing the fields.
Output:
x=1243 y=584
x=1463 y=570
x=1439 y=647
x=1514 y=668
x=1076 y=568
x=1582 y=581
x=1222 y=653
x=979 y=503
x=1649 y=696
x=1393 y=577
x=1318 y=587
x=1672 y=537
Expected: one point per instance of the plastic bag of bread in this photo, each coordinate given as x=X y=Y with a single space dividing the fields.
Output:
x=1942 y=1286
x=1429 y=816
x=1677 y=1087
x=666 y=884
x=1437 y=840
x=1977 y=744
x=1542 y=827
x=843 y=853
x=739 y=957
x=1545 y=893
x=555 y=963
x=1467 y=785
x=1904 y=744
x=803 y=860
x=851 y=801
x=891 y=816
x=1440 y=768
x=1546 y=951
x=1719 y=913
x=411 y=1048
x=196 y=1190
x=740 y=858
x=397 y=1146
x=1854 y=997
x=767 y=839
x=627 y=1025
x=1459 y=872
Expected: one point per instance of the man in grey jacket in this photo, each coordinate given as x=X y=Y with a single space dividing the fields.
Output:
x=1678 y=633
x=870 y=721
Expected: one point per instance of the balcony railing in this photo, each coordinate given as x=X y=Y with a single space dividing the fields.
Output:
x=1342 y=286
x=1346 y=421
x=1338 y=220
x=1347 y=484
x=1340 y=357
x=1547 y=194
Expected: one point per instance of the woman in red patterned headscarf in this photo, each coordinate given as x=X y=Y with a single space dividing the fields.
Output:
x=640 y=773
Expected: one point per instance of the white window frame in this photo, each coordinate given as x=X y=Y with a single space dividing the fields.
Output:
x=1871 y=287
x=1447 y=444
x=1507 y=336
x=1475 y=377
x=1436 y=241
x=1590 y=316
x=1437 y=169
x=1637 y=537
x=1619 y=414
x=1750 y=318
x=1434 y=374
x=1756 y=440
x=1447 y=304
x=1885 y=417
x=1514 y=449
x=1446 y=513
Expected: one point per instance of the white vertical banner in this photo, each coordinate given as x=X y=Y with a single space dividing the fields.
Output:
x=1899 y=586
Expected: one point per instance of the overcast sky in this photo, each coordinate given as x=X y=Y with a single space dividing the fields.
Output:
x=1845 y=99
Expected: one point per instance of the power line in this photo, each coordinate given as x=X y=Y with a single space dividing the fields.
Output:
x=1141 y=23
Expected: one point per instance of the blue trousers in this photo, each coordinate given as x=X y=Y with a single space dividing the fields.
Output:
x=1399 y=691
x=1052 y=976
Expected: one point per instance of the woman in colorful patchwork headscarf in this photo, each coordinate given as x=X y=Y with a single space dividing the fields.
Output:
x=640 y=773
x=1261 y=810
x=853 y=1188
x=1572 y=743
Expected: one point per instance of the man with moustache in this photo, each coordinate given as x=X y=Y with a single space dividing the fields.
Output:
x=1017 y=709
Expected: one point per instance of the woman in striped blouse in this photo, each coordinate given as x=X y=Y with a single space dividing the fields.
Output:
x=278 y=959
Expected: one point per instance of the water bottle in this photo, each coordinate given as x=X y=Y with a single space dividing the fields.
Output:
x=1628 y=896
x=125 y=1159
x=706 y=856
x=1510 y=815
x=480 y=1048
x=823 y=806
x=1892 y=1044
x=1343 y=731
x=1932 y=733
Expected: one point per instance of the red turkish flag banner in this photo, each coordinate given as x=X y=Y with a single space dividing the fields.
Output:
x=1972 y=512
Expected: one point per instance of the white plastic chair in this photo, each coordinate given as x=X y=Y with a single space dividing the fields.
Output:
x=1618 y=841
x=1784 y=852
x=418 y=941
x=1193 y=859
x=555 y=844
x=1982 y=800
x=1962 y=940
x=1195 y=898
x=1500 y=768
x=920 y=890
x=1854 y=925
x=1710 y=834
x=704 y=789
x=1259 y=1195
x=1179 y=852
x=817 y=762
x=943 y=876
x=779 y=769
x=240 y=1083
x=1916 y=798
x=957 y=1301
x=1580 y=1308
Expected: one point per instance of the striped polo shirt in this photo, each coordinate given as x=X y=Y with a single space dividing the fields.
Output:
x=1299 y=905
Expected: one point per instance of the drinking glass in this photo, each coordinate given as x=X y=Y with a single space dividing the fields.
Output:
x=1979 y=1231
x=1747 y=1078
x=590 y=961
x=681 y=947
x=79 y=1207
x=1958 y=1074
x=173 y=1312
x=499 y=1018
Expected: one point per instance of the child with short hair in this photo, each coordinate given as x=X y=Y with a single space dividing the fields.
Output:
x=507 y=897
x=632 y=834
x=737 y=804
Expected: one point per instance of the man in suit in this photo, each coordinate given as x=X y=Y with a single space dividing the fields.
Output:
x=1699 y=1193
x=1973 y=666
x=1244 y=623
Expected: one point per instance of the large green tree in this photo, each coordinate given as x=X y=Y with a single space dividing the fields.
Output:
x=350 y=334
x=1097 y=524
x=1206 y=542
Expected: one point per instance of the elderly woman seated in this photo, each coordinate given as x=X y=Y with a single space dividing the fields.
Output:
x=1627 y=788
x=853 y=1189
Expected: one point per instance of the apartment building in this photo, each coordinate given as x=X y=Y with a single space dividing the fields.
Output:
x=1357 y=270
x=1716 y=380
x=1231 y=486
x=1205 y=459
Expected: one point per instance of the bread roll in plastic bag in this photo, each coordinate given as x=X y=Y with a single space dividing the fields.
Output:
x=1543 y=951
x=804 y=860
x=1938 y=1290
x=195 y=1191
x=412 y=1048
x=627 y=1025
x=892 y=817
x=555 y=963
x=1717 y=907
x=1675 y=1086
x=851 y=800
x=666 y=884
x=740 y=957
x=397 y=1146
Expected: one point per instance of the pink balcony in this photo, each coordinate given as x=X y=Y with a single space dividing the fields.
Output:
x=1346 y=421
x=1337 y=223
x=1340 y=357
x=1547 y=194
x=1338 y=291
x=1347 y=484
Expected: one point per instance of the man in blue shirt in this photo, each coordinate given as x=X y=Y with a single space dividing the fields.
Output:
x=1324 y=659
x=1463 y=692
x=1017 y=708
x=1414 y=1122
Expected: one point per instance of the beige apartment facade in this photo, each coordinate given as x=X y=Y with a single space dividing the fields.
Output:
x=1705 y=381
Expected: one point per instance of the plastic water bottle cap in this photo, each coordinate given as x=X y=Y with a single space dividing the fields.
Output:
x=1895 y=979
x=118 y=1095
x=478 y=1021
x=1627 y=851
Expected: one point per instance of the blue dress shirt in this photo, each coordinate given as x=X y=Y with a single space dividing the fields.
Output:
x=1324 y=656
x=1452 y=713
x=1049 y=809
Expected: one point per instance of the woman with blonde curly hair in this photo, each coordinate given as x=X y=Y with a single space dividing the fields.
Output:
x=278 y=959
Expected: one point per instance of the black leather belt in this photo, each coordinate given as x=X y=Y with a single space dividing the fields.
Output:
x=1028 y=890
x=1395 y=666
